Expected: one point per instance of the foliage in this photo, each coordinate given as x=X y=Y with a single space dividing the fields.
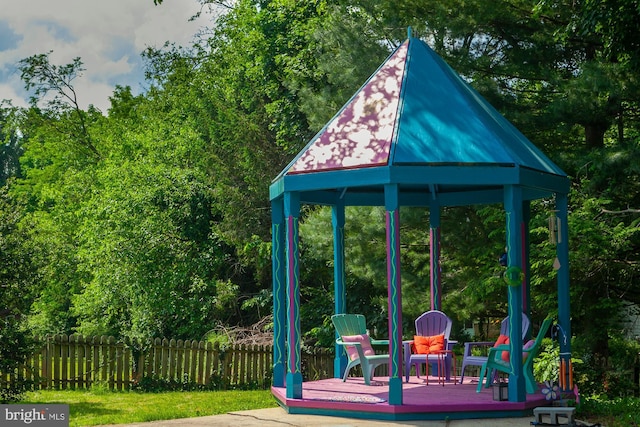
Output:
x=618 y=412
x=155 y=384
x=17 y=345
x=614 y=377
x=546 y=367
x=52 y=86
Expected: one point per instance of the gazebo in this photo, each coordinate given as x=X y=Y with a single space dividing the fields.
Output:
x=415 y=134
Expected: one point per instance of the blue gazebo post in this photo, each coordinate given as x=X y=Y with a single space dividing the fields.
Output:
x=434 y=256
x=515 y=227
x=392 y=206
x=279 y=291
x=339 y=291
x=294 y=374
x=562 y=252
x=526 y=265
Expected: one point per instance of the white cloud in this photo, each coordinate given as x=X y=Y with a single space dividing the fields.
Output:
x=108 y=36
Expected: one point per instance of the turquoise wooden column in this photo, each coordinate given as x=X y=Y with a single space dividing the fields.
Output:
x=526 y=264
x=514 y=278
x=564 y=312
x=391 y=196
x=339 y=290
x=434 y=256
x=294 y=375
x=279 y=291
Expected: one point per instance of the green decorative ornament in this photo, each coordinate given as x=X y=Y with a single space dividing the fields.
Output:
x=513 y=276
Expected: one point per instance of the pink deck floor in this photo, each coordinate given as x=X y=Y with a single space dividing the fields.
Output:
x=420 y=401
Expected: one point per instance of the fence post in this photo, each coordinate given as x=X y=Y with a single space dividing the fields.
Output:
x=164 y=358
x=88 y=364
x=69 y=357
x=172 y=359
x=55 y=357
x=119 y=365
x=201 y=357
x=112 y=362
x=45 y=373
x=64 y=361
x=104 y=358
x=209 y=365
x=127 y=363
x=186 y=356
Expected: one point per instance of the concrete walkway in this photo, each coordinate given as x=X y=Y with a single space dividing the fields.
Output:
x=279 y=417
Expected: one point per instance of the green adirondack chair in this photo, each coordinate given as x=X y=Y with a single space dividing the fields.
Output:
x=495 y=361
x=353 y=337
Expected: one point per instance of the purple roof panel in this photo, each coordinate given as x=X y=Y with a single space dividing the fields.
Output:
x=360 y=134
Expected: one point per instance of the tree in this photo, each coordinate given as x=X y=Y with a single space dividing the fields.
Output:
x=147 y=238
x=245 y=114
x=57 y=164
x=15 y=294
x=44 y=78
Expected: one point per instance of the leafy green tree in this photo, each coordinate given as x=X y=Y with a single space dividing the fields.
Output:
x=44 y=78
x=121 y=242
x=157 y=269
x=245 y=114
x=15 y=286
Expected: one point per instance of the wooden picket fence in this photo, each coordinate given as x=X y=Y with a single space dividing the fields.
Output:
x=78 y=362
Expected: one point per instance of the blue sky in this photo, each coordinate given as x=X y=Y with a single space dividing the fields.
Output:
x=108 y=36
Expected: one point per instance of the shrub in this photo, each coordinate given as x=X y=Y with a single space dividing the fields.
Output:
x=619 y=412
x=614 y=377
x=17 y=346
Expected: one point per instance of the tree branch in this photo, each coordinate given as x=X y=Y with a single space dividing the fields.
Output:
x=622 y=212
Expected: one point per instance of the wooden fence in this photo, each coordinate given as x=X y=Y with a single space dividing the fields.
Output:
x=77 y=362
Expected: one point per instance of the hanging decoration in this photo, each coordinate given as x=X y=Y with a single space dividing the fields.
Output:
x=555 y=229
x=565 y=366
x=513 y=276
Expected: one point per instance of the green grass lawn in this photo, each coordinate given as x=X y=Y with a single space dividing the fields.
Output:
x=90 y=408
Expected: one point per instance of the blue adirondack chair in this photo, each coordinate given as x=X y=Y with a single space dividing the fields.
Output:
x=353 y=337
x=495 y=361
x=468 y=359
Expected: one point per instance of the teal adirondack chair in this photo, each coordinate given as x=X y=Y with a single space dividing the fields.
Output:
x=469 y=359
x=353 y=337
x=495 y=361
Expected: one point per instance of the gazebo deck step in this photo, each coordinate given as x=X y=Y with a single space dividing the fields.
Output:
x=554 y=412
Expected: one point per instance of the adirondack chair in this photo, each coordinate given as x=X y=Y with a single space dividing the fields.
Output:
x=529 y=353
x=353 y=336
x=468 y=359
x=429 y=324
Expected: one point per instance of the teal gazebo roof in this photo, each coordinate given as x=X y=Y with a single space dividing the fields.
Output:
x=417 y=123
